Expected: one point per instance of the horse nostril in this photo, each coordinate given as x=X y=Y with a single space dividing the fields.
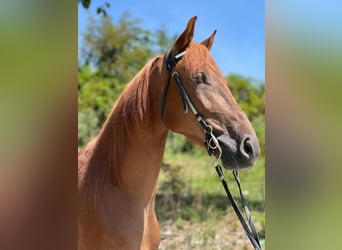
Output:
x=249 y=147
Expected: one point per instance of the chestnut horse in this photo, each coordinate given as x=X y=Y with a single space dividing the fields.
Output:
x=118 y=170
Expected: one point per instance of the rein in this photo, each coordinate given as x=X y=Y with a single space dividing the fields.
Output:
x=212 y=144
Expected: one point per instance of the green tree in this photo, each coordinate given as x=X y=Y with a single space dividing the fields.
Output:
x=251 y=97
x=95 y=99
x=100 y=9
x=111 y=54
x=85 y=3
x=116 y=50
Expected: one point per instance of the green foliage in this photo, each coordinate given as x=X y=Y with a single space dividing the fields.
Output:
x=99 y=10
x=173 y=182
x=111 y=55
x=177 y=143
x=116 y=50
x=251 y=97
x=258 y=123
x=190 y=191
x=85 y=3
x=95 y=99
x=178 y=199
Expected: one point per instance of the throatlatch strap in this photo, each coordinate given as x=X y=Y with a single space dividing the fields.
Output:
x=183 y=94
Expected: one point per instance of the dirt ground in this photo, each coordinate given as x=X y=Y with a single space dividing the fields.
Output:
x=227 y=234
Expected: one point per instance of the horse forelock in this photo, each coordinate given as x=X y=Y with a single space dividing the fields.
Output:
x=198 y=58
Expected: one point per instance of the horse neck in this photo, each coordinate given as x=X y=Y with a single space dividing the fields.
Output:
x=130 y=146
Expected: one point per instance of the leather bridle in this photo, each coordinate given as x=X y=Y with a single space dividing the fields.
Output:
x=211 y=143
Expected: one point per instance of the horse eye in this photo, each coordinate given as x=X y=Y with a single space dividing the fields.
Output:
x=204 y=78
x=201 y=77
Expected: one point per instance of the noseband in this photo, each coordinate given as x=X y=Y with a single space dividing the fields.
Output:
x=211 y=144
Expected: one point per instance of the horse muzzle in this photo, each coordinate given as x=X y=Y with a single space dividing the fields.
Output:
x=237 y=155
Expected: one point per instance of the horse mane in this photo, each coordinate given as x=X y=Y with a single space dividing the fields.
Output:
x=101 y=160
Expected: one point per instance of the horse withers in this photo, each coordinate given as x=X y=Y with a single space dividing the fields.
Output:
x=118 y=170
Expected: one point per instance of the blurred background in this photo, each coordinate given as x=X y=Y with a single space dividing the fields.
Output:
x=39 y=84
x=303 y=124
x=115 y=41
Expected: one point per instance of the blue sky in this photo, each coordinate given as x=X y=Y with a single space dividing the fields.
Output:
x=239 y=45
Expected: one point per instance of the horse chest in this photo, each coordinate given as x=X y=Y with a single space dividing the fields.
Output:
x=120 y=223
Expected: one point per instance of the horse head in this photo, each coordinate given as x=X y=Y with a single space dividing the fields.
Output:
x=207 y=89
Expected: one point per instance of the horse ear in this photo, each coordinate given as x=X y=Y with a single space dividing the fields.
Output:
x=209 y=41
x=185 y=38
